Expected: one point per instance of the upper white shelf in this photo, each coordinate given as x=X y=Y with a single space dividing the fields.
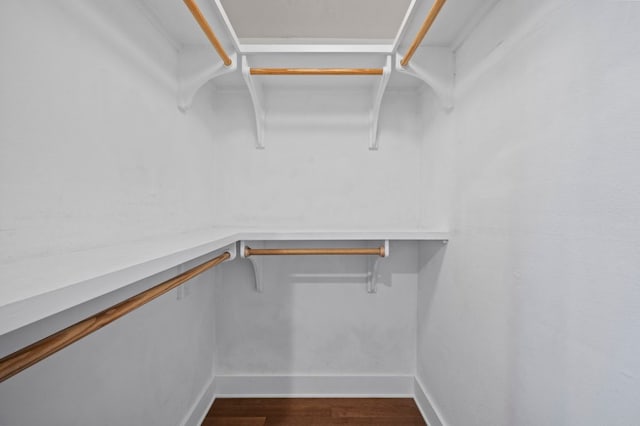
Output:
x=36 y=288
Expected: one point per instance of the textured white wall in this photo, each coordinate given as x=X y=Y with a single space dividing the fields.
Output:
x=93 y=150
x=315 y=316
x=316 y=171
x=532 y=315
x=148 y=367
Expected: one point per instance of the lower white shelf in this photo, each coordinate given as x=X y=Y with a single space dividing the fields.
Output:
x=36 y=288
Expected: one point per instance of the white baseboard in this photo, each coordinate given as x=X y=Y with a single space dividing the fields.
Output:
x=314 y=386
x=429 y=412
x=201 y=406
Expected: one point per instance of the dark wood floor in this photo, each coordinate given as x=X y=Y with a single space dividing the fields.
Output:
x=313 y=412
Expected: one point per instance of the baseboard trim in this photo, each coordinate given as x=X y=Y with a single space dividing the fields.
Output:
x=428 y=410
x=314 y=386
x=201 y=406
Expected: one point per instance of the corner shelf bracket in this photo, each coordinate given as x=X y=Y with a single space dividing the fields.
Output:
x=195 y=69
x=377 y=102
x=374 y=265
x=438 y=73
x=257 y=97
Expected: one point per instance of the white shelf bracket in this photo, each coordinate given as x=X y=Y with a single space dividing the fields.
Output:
x=196 y=67
x=437 y=73
x=256 y=262
x=377 y=102
x=374 y=264
x=257 y=97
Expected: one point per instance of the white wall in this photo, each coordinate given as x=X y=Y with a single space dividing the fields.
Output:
x=315 y=316
x=148 y=367
x=531 y=316
x=93 y=150
x=316 y=171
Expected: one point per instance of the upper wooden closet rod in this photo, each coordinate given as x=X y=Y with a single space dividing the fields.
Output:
x=377 y=251
x=195 y=11
x=316 y=71
x=36 y=352
x=431 y=16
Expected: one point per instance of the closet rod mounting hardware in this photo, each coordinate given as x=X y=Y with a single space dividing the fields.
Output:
x=206 y=28
x=254 y=255
x=195 y=70
x=426 y=25
x=372 y=278
x=435 y=67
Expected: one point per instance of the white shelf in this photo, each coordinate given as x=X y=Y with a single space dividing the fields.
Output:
x=36 y=288
x=343 y=235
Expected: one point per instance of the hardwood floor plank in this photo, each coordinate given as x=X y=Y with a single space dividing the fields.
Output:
x=363 y=421
x=356 y=410
x=314 y=412
x=234 y=421
x=375 y=407
x=309 y=407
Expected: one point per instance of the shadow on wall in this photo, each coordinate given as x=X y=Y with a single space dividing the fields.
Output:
x=431 y=256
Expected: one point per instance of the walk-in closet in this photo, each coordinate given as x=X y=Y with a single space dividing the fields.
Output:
x=319 y=212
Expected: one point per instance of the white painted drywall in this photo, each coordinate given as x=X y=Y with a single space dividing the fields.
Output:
x=148 y=367
x=93 y=150
x=532 y=315
x=316 y=171
x=315 y=317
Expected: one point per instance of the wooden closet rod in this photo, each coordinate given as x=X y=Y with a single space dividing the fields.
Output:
x=316 y=71
x=202 y=21
x=26 y=357
x=377 y=251
x=431 y=16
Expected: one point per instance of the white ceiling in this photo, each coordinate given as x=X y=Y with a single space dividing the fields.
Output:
x=367 y=20
x=316 y=19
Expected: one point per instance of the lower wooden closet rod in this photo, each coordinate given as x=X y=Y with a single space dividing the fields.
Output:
x=16 y=362
x=377 y=251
